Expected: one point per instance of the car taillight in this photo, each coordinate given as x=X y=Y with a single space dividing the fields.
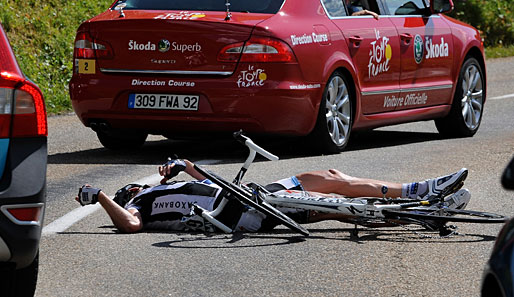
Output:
x=22 y=108
x=5 y=111
x=88 y=48
x=257 y=49
x=24 y=214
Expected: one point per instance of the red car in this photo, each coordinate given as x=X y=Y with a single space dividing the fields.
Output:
x=304 y=67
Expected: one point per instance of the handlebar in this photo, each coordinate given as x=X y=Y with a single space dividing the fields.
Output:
x=211 y=215
x=250 y=144
x=251 y=156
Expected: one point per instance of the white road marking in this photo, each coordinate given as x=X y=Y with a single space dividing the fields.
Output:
x=502 y=97
x=207 y=162
x=74 y=216
x=66 y=221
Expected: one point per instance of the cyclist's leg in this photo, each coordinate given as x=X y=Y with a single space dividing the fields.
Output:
x=334 y=181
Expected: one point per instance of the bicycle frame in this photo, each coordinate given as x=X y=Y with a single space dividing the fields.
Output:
x=358 y=208
x=362 y=207
x=365 y=211
x=237 y=193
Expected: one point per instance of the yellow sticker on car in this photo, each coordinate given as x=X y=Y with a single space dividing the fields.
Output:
x=87 y=66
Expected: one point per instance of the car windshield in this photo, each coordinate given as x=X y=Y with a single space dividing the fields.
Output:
x=260 y=6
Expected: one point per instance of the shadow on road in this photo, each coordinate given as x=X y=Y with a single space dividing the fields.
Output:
x=284 y=237
x=229 y=151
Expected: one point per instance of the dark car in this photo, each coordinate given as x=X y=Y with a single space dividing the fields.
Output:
x=283 y=67
x=498 y=278
x=23 y=155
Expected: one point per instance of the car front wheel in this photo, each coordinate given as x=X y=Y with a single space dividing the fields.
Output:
x=334 y=122
x=468 y=104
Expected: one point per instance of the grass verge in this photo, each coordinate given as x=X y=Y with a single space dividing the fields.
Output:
x=499 y=52
x=41 y=34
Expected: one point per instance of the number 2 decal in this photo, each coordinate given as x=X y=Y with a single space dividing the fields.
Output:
x=86 y=66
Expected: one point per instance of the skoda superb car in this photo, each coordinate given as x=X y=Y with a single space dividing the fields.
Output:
x=23 y=156
x=283 y=67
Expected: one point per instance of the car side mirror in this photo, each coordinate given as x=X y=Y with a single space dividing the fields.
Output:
x=508 y=176
x=441 y=6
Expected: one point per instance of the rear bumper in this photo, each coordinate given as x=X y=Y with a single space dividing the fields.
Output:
x=23 y=183
x=280 y=102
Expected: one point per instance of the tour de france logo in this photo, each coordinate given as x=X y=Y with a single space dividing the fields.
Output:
x=418 y=48
x=379 y=55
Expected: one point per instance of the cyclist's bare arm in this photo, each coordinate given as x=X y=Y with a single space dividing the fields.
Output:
x=127 y=221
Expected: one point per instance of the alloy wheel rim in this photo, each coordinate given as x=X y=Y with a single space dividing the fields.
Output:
x=472 y=97
x=338 y=111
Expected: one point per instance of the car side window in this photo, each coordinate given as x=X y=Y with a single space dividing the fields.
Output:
x=354 y=6
x=405 y=7
x=335 y=8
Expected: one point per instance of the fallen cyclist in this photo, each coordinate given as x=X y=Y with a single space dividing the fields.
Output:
x=168 y=205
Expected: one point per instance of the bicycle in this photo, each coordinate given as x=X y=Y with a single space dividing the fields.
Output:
x=364 y=211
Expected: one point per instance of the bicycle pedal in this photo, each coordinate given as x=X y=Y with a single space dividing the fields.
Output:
x=445 y=232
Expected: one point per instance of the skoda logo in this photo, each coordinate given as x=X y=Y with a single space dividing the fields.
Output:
x=418 y=48
x=164 y=45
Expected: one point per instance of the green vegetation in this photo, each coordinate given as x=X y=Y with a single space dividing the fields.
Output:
x=42 y=32
x=42 y=35
x=494 y=19
x=499 y=51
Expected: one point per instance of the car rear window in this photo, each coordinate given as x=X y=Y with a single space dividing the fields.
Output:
x=259 y=6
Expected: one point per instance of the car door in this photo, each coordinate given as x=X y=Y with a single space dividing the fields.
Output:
x=426 y=48
x=374 y=48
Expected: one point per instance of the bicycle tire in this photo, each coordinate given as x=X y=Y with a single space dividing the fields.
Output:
x=245 y=198
x=446 y=215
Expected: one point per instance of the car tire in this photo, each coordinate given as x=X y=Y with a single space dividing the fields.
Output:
x=26 y=279
x=335 y=118
x=121 y=140
x=468 y=103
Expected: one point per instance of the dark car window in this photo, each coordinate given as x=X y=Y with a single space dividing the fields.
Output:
x=335 y=8
x=403 y=7
x=260 y=6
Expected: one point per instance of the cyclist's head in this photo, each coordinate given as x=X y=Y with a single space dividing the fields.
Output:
x=126 y=193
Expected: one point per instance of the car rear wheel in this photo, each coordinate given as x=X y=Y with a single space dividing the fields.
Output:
x=19 y=282
x=121 y=140
x=26 y=279
x=334 y=123
x=468 y=104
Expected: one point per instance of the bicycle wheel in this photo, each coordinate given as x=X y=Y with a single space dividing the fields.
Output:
x=245 y=198
x=446 y=215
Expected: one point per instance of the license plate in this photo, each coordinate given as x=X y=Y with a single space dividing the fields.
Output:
x=164 y=101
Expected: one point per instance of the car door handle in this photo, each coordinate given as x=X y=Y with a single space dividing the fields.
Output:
x=356 y=40
x=406 y=37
